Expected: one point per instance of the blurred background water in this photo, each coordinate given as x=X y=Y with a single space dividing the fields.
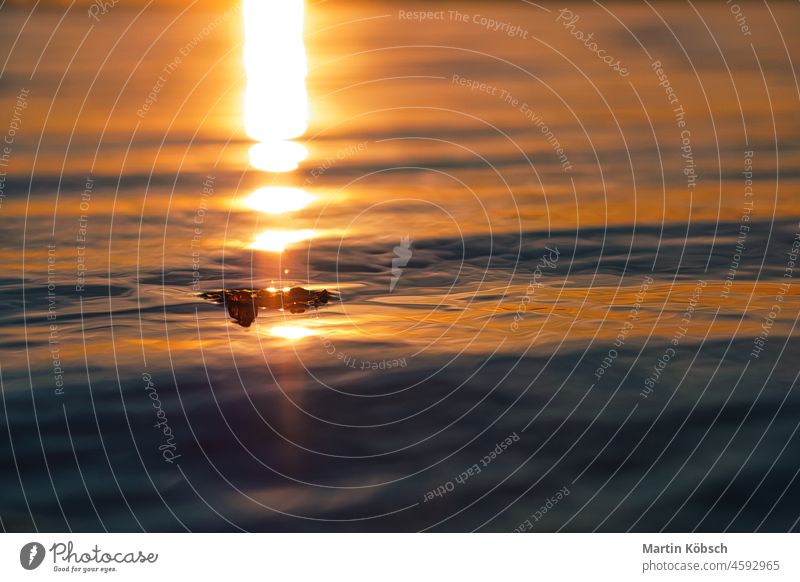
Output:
x=566 y=297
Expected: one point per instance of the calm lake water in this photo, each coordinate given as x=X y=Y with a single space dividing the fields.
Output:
x=562 y=287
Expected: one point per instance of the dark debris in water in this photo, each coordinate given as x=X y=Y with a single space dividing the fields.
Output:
x=244 y=304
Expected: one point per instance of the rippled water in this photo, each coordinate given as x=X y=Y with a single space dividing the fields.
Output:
x=555 y=288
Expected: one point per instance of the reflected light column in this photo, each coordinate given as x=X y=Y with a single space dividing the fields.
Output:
x=276 y=101
x=276 y=108
x=276 y=111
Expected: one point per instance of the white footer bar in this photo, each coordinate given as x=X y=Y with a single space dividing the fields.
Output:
x=400 y=557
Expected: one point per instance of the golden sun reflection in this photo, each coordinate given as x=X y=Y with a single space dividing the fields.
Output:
x=275 y=101
x=276 y=241
x=277 y=156
x=292 y=332
x=277 y=200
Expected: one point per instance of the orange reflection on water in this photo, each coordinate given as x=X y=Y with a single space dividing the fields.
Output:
x=275 y=101
x=276 y=241
x=292 y=332
x=277 y=156
x=277 y=200
x=276 y=108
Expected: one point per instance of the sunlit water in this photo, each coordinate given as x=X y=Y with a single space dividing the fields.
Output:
x=534 y=261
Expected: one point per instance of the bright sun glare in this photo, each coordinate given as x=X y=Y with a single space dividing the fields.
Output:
x=275 y=102
x=277 y=240
x=292 y=332
x=278 y=199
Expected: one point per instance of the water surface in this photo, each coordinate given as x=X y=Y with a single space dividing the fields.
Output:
x=552 y=280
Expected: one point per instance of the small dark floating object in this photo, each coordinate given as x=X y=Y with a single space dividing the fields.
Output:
x=243 y=304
